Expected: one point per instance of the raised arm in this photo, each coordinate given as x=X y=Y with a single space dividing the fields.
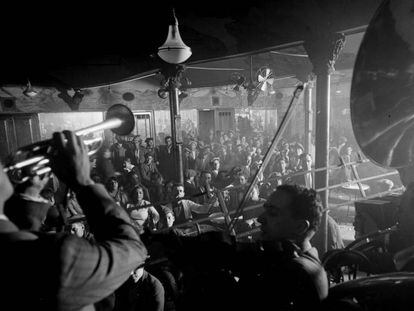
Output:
x=89 y=271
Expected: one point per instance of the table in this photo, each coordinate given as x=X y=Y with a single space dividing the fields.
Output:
x=353 y=189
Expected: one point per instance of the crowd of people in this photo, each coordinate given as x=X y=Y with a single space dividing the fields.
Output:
x=77 y=238
x=223 y=161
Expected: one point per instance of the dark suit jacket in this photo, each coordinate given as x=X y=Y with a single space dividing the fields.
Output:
x=64 y=272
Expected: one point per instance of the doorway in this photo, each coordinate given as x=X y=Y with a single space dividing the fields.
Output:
x=205 y=123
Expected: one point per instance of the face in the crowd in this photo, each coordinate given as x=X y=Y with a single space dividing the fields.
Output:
x=77 y=229
x=112 y=185
x=242 y=180
x=349 y=150
x=243 y=140
x=140 y=194
x=137 y=274
x=149 y=159
x=179 y=192
x=258 y=151
x=276 y=221
x=92 y=163
x=168 y=141
x=135 y=179
x=248 y=160
x=216 y=165
x=150 y=143
x=170 y=219
x=299 y=151
x=206 y=178
x=193 y=147
x=137 y=141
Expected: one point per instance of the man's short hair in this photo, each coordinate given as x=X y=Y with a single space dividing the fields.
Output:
x=178 y=184
x=190 y=173
x=167 y=137
x=204 y=173
x=306 y=204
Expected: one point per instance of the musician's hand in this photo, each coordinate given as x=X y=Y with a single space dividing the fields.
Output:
x=70 y=162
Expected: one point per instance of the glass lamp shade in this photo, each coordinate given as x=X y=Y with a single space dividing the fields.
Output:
x=174 y=51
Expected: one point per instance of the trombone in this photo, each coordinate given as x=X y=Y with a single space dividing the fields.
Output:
x=119 y=119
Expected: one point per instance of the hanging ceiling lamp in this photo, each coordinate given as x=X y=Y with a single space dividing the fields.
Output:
x=174 y=51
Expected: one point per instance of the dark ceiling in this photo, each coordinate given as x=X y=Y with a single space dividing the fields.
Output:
x=79 y=45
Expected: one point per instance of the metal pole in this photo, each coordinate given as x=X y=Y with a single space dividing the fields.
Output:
x=176 y=128
x=323 y=104
x=307 y=103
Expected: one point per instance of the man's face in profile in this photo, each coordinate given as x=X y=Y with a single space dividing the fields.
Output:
x=277 y=222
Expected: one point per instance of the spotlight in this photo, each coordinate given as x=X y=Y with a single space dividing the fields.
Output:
x=29 y=91
x=163 y=93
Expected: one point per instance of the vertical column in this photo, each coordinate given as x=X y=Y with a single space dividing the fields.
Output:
x=323 y=51
x=307 y=103
x=173 y=73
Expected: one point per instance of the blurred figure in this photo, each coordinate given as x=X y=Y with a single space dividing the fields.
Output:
x=142 y=291
x=27 y=208
x=305 y=179
x=116 y=192
x=65 y=272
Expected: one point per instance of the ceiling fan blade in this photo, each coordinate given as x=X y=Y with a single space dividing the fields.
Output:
x=268 y=72
x=289 y=54
x=215 y=68
x=260 y=78
x=263 y=87
x=270 y=81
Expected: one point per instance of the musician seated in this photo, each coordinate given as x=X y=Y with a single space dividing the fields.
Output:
x=183 y=209
x=286 y=272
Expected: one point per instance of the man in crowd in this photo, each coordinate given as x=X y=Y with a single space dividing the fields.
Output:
x=142 y=291
x=165 y=157
x=137 y=152
x=183 y=209
x=64 y=272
